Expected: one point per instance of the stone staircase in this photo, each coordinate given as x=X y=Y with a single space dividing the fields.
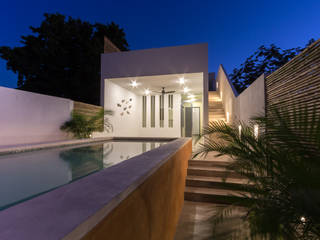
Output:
x=209 y=181
x=216 y=111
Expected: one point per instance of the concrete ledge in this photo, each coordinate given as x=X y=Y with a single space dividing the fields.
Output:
x=44 y=145
x=84 y=208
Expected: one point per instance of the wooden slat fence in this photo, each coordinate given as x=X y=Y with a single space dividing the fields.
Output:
x=297 y=82
x=294 y=86
x=88 y=110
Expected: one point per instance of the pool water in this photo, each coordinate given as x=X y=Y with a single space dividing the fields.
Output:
x=28 y=174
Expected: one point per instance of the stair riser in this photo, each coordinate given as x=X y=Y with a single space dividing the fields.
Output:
x=216 y=185
x=199 y=197
x=203 y=163
x=212 y=173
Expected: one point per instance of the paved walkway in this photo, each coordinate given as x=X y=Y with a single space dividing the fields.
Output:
x=196 y=223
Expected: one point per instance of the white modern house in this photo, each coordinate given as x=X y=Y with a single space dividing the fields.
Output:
x=159 y=92
x=164 y=92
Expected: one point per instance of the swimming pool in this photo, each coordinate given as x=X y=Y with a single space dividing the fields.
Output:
x=28 y=174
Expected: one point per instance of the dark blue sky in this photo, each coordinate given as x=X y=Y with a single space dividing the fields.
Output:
x=233 y=29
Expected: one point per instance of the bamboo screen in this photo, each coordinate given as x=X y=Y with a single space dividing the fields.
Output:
x=297 y=83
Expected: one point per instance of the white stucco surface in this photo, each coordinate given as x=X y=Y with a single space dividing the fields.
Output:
x=250 y=103
x=130 y=125
x=27 y=117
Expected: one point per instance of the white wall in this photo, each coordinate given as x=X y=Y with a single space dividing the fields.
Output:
x=252 y=100
x=250 y=103
x=131 y=125
x=165 y=131
x=128 y=124
x=27 y=117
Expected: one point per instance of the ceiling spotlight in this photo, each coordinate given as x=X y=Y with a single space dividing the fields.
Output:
x=181 y=80
x=133 y=83
x=186 y=89
x=147 y=91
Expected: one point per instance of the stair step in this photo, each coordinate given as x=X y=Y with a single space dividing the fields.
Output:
x=212 y=172
x=216 y=115
x=197 y=194
x=215 y=182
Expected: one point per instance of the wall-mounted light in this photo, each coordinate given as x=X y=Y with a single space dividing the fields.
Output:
x=217 y=85
x=240 y=128
x=147 y=91
x=228 y=117
x=256 y=130
x=190 y=100
x=133 y=83
x=186 y=89
x=181 y=80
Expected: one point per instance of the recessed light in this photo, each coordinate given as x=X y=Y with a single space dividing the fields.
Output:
x=147 y=91
x=181 y=80
x=186 y=89
x=133 y=83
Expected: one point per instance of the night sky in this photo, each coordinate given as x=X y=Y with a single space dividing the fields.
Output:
x=233 y=29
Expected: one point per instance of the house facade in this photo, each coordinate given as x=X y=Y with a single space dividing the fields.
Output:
x=164 y=92
x=161 y=92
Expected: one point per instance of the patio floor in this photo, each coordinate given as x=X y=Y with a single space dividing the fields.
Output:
x=196 y=223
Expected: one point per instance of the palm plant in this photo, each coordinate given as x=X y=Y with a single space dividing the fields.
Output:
x=282 y=165
x=82 y=126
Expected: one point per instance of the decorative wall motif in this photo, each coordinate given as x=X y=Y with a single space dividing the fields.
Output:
x=125 y=106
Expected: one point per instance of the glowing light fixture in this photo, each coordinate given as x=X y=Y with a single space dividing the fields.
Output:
x=186 y=89
x=228 y=117
x=147 y=91
x=303 y=219
x=181 y=80
x=240 y=128
x=217 y=85
x=191 y=96
x=190 y=100
x=256 y=130
x=133 y=83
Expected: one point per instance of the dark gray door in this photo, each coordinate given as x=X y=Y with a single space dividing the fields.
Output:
x=188 y=121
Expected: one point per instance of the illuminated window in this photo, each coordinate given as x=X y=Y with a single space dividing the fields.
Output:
x=153 y=112
x=161 y=113
x=144 y=111
x=170 y=110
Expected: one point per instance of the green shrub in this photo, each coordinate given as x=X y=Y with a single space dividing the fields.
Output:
x=82 y=126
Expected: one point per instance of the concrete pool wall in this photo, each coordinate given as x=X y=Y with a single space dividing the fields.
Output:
x=140 y=198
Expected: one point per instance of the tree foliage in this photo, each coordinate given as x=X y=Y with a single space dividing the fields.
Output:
x=62 y=57
x=265 y=60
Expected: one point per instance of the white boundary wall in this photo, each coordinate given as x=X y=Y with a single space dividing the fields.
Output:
x=250 y=103
x=27 y=117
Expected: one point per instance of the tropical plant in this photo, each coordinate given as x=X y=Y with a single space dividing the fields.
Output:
x=282 y=165
x=82 y=126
